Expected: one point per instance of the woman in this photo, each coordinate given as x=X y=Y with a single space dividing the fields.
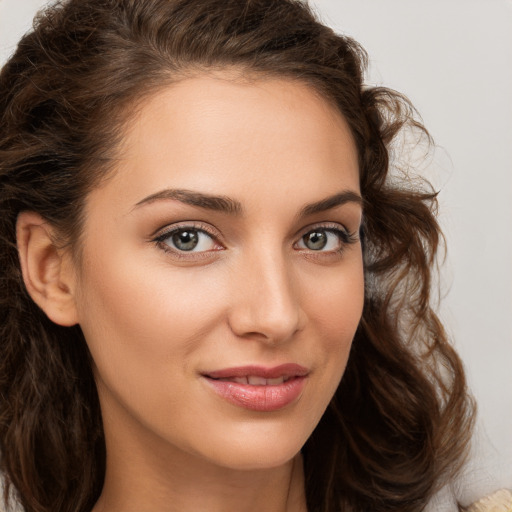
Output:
x=199 y=227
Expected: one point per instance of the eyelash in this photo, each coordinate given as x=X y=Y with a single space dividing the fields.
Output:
x=160 y=239
x=345 y=236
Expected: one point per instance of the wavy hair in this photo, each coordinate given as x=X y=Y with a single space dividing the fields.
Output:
x=399 y=423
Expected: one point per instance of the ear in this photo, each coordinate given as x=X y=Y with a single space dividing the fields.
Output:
x=47 y=270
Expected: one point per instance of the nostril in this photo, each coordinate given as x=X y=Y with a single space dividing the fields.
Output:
x=266 y=304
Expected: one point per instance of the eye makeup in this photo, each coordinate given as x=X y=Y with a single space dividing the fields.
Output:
x=198 y=241
x=189 y=240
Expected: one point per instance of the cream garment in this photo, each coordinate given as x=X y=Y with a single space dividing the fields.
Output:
x=484 y=484
x=500 y=501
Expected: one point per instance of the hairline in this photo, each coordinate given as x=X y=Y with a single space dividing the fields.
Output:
x=127 y=110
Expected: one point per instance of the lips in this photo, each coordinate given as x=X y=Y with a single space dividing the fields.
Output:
x=284 y=370
x=258 y=388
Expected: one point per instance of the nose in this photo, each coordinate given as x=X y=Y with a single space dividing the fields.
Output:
x=266 y=300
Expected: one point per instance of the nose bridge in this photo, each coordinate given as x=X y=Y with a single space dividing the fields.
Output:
x=268 y=303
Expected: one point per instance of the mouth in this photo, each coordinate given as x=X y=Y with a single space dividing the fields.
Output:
x=258 y=388
x=255 y=380
x=253 y=375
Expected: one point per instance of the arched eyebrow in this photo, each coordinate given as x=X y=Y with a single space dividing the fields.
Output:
x=206 y=201
x=231 y=206
x=339 y=199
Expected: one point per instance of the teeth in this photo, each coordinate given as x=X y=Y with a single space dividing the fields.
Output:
x=257 y=381
x=254 y=380
x=275 y=382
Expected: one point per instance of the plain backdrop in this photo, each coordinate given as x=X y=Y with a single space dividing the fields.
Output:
x=453 y=59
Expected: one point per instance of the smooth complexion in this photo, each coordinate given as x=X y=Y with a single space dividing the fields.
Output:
x=224 y=247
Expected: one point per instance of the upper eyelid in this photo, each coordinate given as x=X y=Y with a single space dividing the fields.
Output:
x=172 y=228
x=333 y=226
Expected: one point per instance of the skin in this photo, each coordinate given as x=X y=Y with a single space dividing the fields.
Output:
x=253 y=292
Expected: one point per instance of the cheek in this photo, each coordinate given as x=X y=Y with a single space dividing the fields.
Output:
x=145 y=326
x=140 y=320
x=336 y=302
x=336 y=316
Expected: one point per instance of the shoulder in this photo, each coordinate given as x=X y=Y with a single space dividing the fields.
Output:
x=499 y=501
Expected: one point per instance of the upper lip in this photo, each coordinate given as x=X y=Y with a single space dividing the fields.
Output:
x=287 y=370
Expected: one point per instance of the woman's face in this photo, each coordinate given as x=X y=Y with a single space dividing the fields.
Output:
x=221 y=282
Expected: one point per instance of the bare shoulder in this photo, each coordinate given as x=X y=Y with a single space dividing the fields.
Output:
x=499 y=501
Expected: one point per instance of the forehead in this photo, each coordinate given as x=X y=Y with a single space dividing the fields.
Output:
x=222 y=135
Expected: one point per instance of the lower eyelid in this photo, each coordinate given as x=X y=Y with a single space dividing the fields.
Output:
x=187 y=258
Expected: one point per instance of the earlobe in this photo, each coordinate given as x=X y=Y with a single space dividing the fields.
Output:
x=46 y=269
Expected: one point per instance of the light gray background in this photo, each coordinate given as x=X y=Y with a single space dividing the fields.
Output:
x=453 y=58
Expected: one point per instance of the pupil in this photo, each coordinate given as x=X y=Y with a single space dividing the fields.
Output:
x=185 y=240
x=315 y=241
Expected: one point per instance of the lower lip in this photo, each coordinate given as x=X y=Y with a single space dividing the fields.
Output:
x=259 y=398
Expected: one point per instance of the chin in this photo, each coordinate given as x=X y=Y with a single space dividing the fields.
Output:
x=255 y=447
x=254 y=460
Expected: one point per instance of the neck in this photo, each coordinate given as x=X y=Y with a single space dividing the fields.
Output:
x=275 y=490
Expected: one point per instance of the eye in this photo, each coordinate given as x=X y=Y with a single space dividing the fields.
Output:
x=187 y=239
x=323 y=239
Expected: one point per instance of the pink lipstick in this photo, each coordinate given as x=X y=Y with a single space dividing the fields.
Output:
x=258 y=388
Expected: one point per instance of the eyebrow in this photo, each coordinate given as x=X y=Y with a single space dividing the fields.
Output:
x=231 y=206
x=347 y=196
x=206 y=201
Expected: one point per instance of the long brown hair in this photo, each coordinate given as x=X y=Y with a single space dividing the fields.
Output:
x=401 y=418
